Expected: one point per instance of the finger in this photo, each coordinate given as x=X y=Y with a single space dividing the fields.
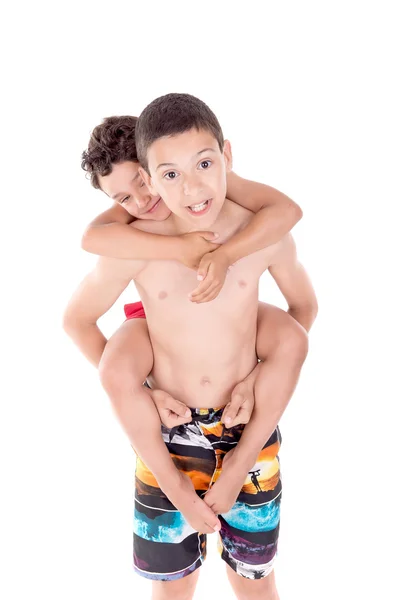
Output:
x=210 y=503
x=208 y=278
x=202 y=289
x=203 y=268
x=212 y=528
x=210 y=295
x=245 y=410
x=174 y=420
x=216 y=283
x=210 y=236
x=232 y=409
x=177 y=407
x=242 y=418
x=211 y=289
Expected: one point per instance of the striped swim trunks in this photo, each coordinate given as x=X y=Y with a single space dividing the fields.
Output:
x=166 y=547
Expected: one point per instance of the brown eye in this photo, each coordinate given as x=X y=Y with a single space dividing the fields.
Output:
x=205 y=164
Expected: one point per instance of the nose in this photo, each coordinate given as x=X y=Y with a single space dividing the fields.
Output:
x=142 y=199
x=192 y=186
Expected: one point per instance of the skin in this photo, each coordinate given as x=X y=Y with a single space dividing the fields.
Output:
x=229 y=219
x=109 y=234
x=186 y=181
x=133 y=200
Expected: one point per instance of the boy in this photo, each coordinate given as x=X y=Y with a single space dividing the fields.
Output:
x=111 y=161
x=199 y=352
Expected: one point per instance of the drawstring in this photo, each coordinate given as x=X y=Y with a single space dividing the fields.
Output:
x=181 y=428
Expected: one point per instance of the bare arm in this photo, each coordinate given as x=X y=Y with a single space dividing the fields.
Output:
x=110 y=234
x=93 y=298
x=276 y=214
x=294 y=283
x=96 y=294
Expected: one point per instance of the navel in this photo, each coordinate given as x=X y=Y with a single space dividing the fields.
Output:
x=205 y=381
x=162 y=295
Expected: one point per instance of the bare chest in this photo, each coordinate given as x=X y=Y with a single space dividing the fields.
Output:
x=165 y=287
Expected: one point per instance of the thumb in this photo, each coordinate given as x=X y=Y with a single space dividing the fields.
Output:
x=179 y=408
x=232 y=410
x=210 y=236
x=203 y=268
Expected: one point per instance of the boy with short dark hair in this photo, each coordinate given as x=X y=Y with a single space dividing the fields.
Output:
x=111 y=160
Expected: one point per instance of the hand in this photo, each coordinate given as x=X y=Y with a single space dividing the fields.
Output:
x=196 y=512
x=225 y=491
x=171 y=411
x=195 y=245
x=212 y=273
x=240 y=408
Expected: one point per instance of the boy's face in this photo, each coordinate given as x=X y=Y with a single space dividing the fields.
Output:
x=125 y=185
x=189 y=171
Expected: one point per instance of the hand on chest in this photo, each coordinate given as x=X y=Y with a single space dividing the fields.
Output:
x=169 y=281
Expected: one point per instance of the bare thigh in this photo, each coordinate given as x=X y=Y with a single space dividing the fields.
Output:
x=277 y=330
x=182 y=589
x=128 y=355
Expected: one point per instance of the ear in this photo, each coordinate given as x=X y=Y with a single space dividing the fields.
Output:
x=147 y=179
x=228 y=155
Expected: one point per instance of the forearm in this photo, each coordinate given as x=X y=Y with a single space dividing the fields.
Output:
x=267 y=227
x=89 y=339
x=118 y=240
x=275 y=382
x=140 y=420
x=304 y=315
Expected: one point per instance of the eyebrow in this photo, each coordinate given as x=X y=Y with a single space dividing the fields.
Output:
x=116 y=196
x=174 y=164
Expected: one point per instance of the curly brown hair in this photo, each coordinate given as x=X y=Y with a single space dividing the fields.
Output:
x=111 y=142
x=172 y=114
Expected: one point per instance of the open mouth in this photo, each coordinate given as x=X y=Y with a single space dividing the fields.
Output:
x=154 y=208
x=200 y=209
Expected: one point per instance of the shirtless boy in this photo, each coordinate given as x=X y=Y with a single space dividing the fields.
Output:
x=111 y=161
x=214 y=341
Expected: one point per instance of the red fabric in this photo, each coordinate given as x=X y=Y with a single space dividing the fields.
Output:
x=134 y=311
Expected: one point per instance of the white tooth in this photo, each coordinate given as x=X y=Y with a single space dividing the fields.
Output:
x=198 y=207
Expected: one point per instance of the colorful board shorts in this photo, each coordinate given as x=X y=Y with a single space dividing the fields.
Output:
x=166 y=547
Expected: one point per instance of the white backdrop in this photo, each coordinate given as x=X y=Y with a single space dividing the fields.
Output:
x=306 y=92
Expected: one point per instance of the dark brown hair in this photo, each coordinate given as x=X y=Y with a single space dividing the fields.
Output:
x=110 y=143
x=172 y=114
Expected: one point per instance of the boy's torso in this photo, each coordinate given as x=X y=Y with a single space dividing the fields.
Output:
x=201 y=351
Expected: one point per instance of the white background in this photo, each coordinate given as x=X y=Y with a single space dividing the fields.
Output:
x=306 y=92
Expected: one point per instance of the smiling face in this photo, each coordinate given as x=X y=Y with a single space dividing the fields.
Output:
x=125 y=185
x=189 y=171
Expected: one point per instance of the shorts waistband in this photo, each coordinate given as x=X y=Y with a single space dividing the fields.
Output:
x=207 y=414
